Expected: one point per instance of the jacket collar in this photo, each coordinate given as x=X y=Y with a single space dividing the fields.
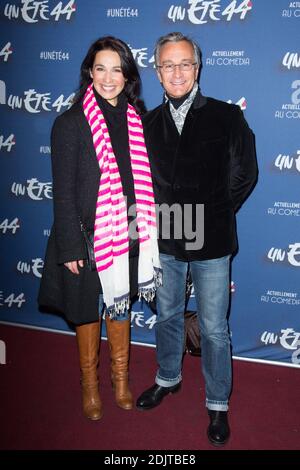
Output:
x=170 y=132
x=84 y=128
x=199 y=101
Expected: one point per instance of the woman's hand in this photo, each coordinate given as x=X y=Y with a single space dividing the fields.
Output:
x=73 y=265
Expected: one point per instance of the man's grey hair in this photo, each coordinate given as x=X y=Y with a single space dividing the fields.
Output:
x=176 y=37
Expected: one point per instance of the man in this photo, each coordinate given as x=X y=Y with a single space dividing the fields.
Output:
x=203 y=162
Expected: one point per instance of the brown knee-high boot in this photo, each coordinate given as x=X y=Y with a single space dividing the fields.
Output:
x=88 y=338
x=118 y=340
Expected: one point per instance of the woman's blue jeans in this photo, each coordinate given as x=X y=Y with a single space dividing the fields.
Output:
x=211 y=287
x=121 y=317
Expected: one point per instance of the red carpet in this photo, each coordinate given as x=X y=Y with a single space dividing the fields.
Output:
x=41 y=407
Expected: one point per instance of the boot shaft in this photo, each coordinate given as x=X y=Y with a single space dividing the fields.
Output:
x=88 y=341
x=118 y=335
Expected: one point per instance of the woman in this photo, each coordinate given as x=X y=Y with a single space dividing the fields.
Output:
x=99 y=162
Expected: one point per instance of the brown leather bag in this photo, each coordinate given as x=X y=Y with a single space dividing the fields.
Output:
x=191 y=343
x=192 y=340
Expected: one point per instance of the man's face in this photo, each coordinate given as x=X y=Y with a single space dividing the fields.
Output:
x=177 y=82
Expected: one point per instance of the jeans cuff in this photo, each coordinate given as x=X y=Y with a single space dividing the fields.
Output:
x=162 y=382
x=216 y=405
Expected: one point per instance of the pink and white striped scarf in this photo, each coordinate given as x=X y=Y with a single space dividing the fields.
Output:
x=111 y=224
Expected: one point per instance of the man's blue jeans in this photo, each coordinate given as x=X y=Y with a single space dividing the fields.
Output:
x=211 y=287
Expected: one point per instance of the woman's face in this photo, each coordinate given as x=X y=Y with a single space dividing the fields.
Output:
x=107 y=75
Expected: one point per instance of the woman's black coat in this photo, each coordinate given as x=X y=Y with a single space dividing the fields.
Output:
x=76 y=177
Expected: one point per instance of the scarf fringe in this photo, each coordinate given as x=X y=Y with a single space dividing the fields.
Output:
x=158 y=277
x=118 y=308
x=148 y=292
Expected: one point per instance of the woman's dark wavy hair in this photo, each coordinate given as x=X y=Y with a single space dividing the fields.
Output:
x=133 y=84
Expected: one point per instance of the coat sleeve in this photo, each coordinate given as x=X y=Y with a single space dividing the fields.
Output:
x=243 y=169
x=65 y=148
